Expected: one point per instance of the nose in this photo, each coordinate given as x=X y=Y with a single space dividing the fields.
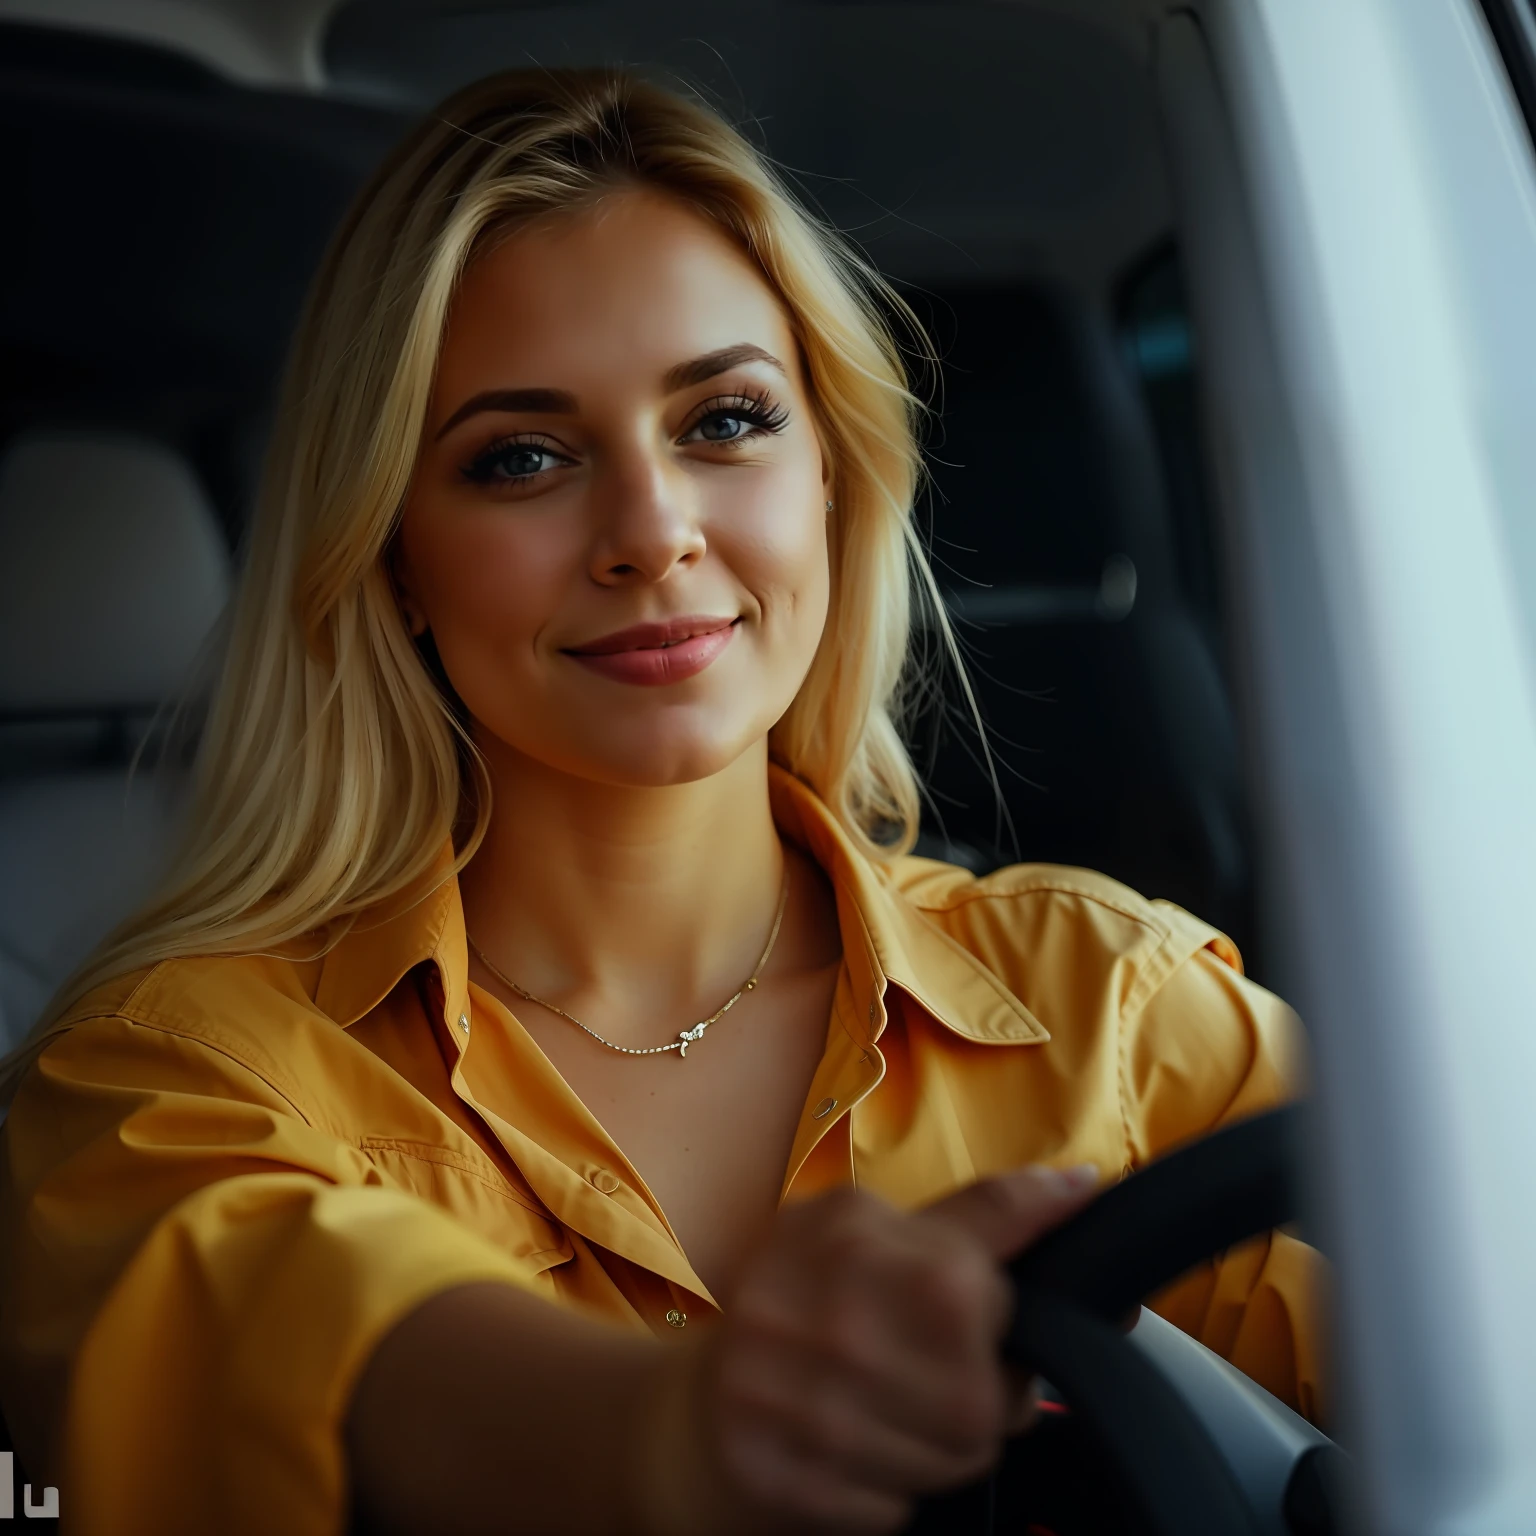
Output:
x=648 y=524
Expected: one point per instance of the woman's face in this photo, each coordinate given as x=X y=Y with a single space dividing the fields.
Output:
x=617 y=531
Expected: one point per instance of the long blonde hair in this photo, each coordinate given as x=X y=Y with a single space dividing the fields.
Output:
x=332 y=765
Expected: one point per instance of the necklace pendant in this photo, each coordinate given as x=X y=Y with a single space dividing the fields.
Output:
x=690 y=1037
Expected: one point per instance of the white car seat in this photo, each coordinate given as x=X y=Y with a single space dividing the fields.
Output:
x=113 y=572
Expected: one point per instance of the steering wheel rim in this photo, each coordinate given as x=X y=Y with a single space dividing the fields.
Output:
x=1073 y=1288
x=1158 y=1224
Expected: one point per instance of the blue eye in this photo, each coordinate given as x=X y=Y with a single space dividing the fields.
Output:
x=736 y=417
x=723 y=427
x=512 y=461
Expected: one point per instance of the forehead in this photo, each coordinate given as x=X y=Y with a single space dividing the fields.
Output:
x=632 y=285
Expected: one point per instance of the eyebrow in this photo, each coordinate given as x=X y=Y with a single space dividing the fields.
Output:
x=542 y=402
x=558 y=402
x=712 y=363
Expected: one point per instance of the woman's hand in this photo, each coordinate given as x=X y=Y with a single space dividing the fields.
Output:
x=855 y=1369
x=857 y=1365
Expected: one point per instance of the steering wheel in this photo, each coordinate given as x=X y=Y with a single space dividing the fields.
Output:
x=1183 y=1433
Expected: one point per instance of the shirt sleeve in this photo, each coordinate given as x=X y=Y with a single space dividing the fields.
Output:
x=196 y=1277
x=1205 y=1047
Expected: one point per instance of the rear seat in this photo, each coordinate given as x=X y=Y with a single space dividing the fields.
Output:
x=113 y=571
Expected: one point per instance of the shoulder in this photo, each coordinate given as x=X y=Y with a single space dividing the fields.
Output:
x=1051 y=929
x=1051 y=903
x=251 y=1009
x=192 y=990
x=1137 y=990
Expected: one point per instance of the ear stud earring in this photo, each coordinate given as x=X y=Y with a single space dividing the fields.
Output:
x=829 y=506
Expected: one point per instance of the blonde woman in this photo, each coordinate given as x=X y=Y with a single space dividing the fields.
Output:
x=545 y=1096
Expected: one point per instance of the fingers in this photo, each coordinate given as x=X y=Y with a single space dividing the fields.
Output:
x=857 y=1364
x=900 y=1420
x=1011 y=1211
x=865 y=1280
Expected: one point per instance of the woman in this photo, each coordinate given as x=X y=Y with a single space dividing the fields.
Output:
x=544 y=1094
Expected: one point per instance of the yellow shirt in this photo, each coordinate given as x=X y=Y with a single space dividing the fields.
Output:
x=225 y=1179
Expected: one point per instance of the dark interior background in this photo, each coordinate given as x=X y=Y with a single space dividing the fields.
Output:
x=1000 y=162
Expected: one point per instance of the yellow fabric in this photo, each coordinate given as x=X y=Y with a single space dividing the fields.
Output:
x=225 y=1179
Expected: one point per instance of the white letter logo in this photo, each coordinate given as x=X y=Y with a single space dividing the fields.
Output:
x=48 y=1509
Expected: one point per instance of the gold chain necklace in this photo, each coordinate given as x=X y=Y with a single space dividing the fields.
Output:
x=685 y=1037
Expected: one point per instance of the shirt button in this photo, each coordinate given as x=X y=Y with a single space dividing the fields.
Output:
x=603 y=1181
x=464 y=1022
x=823 y=1109
x=676 y=1319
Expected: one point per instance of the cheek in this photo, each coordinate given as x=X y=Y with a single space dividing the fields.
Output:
x=487 y=581
x=813 y=589
x=779 y=553
x=804 y=561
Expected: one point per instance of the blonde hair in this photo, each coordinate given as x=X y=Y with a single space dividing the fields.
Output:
x=332 y=765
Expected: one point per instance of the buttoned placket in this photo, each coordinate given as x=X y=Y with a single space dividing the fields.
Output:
x=634 y=1230
x=851 y=1067
x=850 y=1070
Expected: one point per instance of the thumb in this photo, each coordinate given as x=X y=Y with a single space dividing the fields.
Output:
x=1009 y=1212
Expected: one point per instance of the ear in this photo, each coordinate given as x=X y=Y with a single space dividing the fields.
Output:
x=410 y=610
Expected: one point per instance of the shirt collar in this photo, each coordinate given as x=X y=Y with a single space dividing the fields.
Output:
x=886 y=940
x=423 y=922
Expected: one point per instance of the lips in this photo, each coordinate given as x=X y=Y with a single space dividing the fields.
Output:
x=653 y=655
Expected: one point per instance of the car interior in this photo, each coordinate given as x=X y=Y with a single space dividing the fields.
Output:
x=1014 y=170
x=1002 y=164
x=1082 y=201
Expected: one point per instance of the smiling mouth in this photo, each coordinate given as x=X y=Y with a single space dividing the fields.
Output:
x=658 y=654
x=654 y=637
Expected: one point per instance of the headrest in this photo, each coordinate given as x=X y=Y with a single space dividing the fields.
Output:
x=112 y=573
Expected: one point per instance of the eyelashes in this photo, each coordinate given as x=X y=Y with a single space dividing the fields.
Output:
x=521 y=459
x=757 y=410
x=512 y=459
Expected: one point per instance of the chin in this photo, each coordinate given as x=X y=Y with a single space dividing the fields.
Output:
x=654 y=760
x=649 y=748
x=658 y=770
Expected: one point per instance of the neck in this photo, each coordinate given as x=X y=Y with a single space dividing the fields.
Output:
x=596 y=896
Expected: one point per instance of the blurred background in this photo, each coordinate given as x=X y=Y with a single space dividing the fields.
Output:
x=176 y=166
